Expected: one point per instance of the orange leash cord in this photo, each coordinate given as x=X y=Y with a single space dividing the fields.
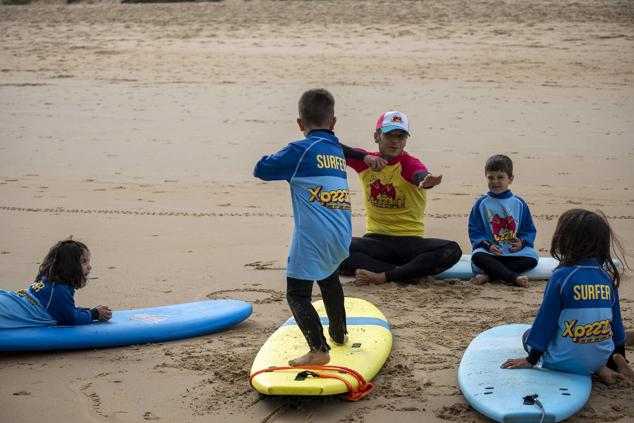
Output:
x=354 y=394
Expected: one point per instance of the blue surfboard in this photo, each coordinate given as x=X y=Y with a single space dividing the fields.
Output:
x=127 y=327
x=499 y=393
x=463 y=270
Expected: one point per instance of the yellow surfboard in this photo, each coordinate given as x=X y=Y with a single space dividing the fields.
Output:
x=369 y=344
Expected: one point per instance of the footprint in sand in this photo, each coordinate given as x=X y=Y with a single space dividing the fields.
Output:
x=21 y=393
x=149 y=416
x=93 y=397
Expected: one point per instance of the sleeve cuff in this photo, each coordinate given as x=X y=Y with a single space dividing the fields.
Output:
x=620 y=350
x=485 y=244
x=419 y=177
x=534 y=356
x=351 y=153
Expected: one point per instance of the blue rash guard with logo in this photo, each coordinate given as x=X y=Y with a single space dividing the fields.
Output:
x=498 y=219
x=579 y=322
x=59 y=300
x=316 y=171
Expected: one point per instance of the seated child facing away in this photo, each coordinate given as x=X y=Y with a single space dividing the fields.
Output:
x=315 y=168
x=501 y=229
x=578 y=328
x=50 y=299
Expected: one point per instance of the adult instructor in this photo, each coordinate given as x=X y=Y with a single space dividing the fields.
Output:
x=394 y=247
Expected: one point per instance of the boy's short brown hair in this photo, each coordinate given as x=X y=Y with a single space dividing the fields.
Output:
x=499 y=163
x=316 y=107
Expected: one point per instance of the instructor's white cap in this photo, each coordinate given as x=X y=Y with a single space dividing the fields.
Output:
x=391 y=121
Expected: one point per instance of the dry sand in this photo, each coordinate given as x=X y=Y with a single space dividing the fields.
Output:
x=135 y=129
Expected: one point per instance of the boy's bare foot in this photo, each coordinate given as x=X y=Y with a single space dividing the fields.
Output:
x=315 y=358
x=480 y=279
x=623 y=367
x=629 y=337
x=365 y=276
x=608 y=376
x=345 y=341
x=521 y=281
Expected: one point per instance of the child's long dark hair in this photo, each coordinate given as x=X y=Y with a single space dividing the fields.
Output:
x=62 y=264
x=582 y=234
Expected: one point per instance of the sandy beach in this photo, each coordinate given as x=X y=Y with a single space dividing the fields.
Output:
x=135 y=128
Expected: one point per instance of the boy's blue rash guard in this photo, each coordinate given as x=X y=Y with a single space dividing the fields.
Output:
x=579 y=321
x=316 y=170
x=59 y=300
x=499 y=218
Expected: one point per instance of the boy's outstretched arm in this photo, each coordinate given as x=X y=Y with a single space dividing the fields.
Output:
x=278 y=166
x=375 y=163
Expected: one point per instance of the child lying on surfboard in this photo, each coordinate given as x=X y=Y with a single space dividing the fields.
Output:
x=50 y=299
x=578 y=328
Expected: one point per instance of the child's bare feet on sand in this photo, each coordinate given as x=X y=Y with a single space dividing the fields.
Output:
x=608 y=376
x=315 y=358
x=521 y=281
x=365 y=276
x=623 y=367
x=480 y=279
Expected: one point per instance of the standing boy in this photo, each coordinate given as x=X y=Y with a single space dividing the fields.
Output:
x=316 y=171
x=501 y=229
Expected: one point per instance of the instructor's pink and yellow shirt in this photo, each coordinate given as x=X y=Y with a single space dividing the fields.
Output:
x=393 y=203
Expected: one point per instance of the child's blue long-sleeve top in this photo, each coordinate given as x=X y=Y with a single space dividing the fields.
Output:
x=59 y=300
x=498 y=219
x=316 y=171
x=579 y=321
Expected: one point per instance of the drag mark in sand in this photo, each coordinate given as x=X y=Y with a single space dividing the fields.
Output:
x=63 y=210
x=264 y=265
x=278 y=410
x=224 y=371
x=253 y=295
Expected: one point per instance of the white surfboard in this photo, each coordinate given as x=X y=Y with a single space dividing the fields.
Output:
x=463 y=270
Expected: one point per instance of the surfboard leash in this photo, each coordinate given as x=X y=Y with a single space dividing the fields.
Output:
x=532 y=400
x=362 y=389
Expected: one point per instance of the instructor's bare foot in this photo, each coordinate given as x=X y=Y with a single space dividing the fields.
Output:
x=365 y=276
x=315 y=358
x=521 y=281
x=480 y=279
